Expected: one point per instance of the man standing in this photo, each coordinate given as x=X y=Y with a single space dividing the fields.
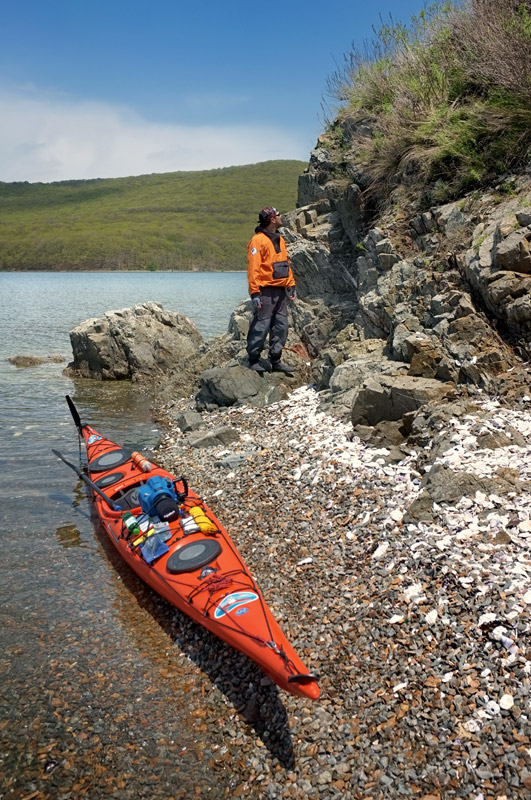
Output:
x=270 y=284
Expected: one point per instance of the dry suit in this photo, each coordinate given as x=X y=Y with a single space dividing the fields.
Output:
x=270 y=277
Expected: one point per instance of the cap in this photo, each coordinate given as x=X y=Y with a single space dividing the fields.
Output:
x=267 y=214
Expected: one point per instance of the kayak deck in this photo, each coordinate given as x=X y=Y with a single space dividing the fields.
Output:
x=199 y=570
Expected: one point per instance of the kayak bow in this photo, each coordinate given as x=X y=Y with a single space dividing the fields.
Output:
x=189 y=559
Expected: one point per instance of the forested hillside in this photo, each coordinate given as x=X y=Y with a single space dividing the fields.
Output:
x=177 y=220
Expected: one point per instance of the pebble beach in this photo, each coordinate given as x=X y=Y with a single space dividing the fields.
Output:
x=419 y=630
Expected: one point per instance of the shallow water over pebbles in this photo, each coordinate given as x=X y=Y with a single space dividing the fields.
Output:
x=97 y=671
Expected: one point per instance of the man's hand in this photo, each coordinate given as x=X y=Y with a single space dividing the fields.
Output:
x=256 y=300
x=292 y=293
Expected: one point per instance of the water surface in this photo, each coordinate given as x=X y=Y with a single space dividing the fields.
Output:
x=95 y=689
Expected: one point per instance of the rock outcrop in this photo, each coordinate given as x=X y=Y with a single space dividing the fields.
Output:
x=498 y=267
x=394 y=312
x=445 y=292
x=34 y=361
x=390 y=398
x=142 y=341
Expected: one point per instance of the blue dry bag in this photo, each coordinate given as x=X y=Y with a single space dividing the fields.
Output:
x=158 y=498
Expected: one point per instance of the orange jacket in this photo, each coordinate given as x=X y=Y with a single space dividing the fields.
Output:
x=265 y=267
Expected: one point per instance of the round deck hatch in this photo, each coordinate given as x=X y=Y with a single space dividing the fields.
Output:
x=193 y=556
x=114 y=458
x=108 y=480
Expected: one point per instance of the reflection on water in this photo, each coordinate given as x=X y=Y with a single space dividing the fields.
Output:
x=69 y=536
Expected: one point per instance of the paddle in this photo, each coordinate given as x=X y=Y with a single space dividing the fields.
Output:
x=75 y=415
x=87 y=480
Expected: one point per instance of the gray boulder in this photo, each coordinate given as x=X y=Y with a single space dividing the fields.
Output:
x=228 y=385
x=450 y=218
x=240 y=320
x=513 y=252
x=442 y=485
x=189 y=421
x=235 y=384
x=498 y=267
x=317 y=272
x=390 y=397
x=142 y=341
x=232 y=460
x=222 y=434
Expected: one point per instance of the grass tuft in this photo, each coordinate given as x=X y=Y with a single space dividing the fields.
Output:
x=441 y=105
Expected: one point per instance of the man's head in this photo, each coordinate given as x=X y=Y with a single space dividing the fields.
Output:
x=269 y=217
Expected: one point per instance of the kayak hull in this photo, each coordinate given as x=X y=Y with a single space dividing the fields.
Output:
x=201 y=573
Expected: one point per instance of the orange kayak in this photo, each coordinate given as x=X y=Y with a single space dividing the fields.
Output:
x=187 y=556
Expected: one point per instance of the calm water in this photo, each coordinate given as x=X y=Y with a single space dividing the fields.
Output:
x=38 y=310
x=94 y=684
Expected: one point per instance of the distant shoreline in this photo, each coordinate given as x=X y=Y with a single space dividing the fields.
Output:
x=161 y=222
x=125 y=271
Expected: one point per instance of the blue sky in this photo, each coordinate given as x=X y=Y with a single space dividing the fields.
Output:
x=105 y=88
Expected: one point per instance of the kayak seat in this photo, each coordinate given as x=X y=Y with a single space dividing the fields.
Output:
x=128 y=498
x=193 y=556
x=303 y=678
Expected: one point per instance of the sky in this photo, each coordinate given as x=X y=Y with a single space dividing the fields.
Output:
x=108 y=88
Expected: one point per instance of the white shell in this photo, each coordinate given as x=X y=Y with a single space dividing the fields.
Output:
x=399 y=687
x=431 y=616
x=507 y=702
x=381 y=551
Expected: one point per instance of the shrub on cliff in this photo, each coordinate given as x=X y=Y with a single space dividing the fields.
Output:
x=440 y=105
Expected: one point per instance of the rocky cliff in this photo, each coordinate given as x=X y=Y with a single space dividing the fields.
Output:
x=398 y=548
x=408 y=301
x=396 y=309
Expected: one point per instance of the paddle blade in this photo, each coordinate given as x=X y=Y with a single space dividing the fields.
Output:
x=74 y=412
x=68 y=463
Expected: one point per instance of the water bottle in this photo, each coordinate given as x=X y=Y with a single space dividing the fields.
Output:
x=131 y=523
x=141 y=462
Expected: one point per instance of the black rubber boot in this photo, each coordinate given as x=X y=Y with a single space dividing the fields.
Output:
x=279 y=366
x=256 y=366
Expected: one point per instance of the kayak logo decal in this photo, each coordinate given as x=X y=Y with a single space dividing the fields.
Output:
x=232 y=601
x=93 y=438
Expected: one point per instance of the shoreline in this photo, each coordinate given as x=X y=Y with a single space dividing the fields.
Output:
x=125 y=271
x=417 y=630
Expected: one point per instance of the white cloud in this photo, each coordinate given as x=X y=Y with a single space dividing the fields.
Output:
x=46 y=137
x=215 y=101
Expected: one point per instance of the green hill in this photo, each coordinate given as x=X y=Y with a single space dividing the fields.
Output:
x=176 y=220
